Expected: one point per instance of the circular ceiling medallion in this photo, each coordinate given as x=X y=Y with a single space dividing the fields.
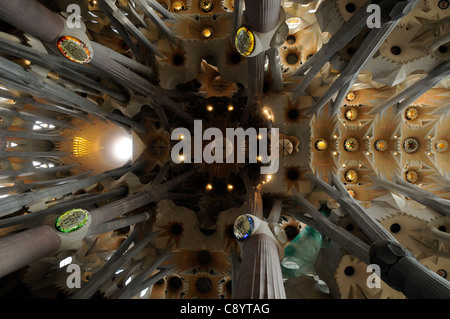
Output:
x=243 y=227
x=206 y=5
x=411 y=113
x=381 y=145
x=441 y=146
x=207 y=33
x=73 y=49
x=72 y=220
x=442 y=273
x=411 y=176
x=244 y=41
x=178 y=6
x=351 y=114
x=351 y=144
x=410 y=145
x=351 y=176
x=320 y=145
x=285 y=147
x=443 y=4
x=351 y=192
x=350 y=96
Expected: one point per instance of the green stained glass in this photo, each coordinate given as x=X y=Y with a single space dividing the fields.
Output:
x=71 y=220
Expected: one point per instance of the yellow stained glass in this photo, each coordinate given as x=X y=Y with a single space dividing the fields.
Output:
x=244 y=41
x=73 y=49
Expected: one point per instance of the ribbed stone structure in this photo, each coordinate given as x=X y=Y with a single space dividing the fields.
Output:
x=19 y=250
x=262 y=15
x=260 y=273
x=32 y=17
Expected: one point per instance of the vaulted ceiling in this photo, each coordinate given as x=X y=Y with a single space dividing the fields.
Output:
x=369 y=106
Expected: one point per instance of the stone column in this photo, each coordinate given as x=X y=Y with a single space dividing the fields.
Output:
x=32 y=135
x=15 y=202
x=32 y=118
x=79 y=201
x=18 y=250
x=260 y=16
x=33 y=18
x=33 y=170
x=260 y=273
x=137 y=200
x=405 y=273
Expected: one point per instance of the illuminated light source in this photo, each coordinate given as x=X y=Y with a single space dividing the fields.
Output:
x=410 y=145
x=268 y=113
x=244 y=41
x=411 y=176
x=351 y=192
x=209 y=187
x=351 y=176
x=294 y=22
x=181 y=158
x=259 y=136
x=210 y=108
x=82 y=147
x=351 y=144
x=207 y=33
x=320 y=145
x=268 y=178
x=259 y=158
x=411 y=113
x=441 y=146
x=350 y=96
x=178 y=6
x=381 y=145
x=206 y=5
x=230 y=187
x=335 y=153
x=123 y=148
x=73 y=49
x=351 y=114
x=230 y=108
x=65 y=262
x=181 y=137
x=27 y=62
x=143 y=292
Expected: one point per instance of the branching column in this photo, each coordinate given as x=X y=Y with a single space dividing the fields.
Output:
x=260 y=273
x=20 y=249
x=260 y=16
